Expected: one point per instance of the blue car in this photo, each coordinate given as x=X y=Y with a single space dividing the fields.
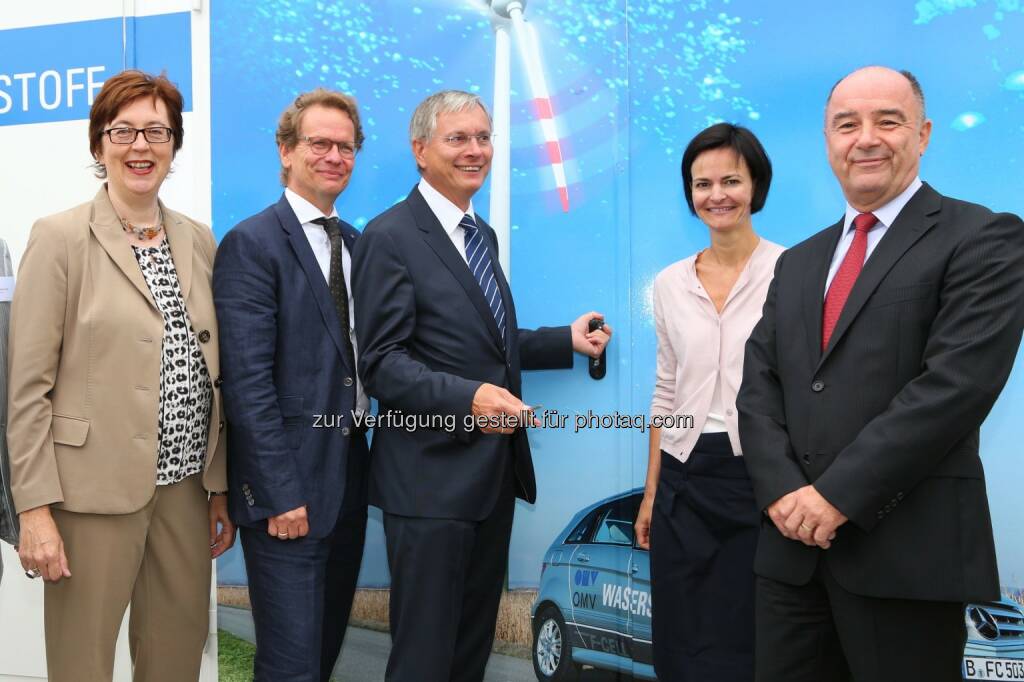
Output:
x=594 y=605
x=995 y=641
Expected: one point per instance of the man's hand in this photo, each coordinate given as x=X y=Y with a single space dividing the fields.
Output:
x=779 y=510
x=497 y=404
x=589 y=343
x=40 y=547
x=806 y=516
x=289 y=525
x=222 y=541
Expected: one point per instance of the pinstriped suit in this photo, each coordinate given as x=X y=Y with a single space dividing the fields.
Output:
x=885 y=424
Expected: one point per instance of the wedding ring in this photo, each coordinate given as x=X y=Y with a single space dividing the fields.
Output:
x=33 y=573
x=806 y=528
x=282 y=535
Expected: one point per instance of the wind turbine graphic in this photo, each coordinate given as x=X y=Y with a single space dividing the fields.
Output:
x=507 y=17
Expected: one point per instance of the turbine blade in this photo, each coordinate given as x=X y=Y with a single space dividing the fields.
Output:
x=529 y=52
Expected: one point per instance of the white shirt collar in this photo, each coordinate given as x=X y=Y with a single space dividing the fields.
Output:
x=886 y=214
x=303 y=209
x=447 y=213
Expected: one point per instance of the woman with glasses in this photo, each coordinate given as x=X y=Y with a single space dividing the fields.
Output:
x=115 y=427
x=698 y=517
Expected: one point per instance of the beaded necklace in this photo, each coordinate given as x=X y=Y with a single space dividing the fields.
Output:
x=141 y=232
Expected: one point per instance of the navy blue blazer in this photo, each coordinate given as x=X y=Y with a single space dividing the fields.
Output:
x=427 y=341
x=288 y=391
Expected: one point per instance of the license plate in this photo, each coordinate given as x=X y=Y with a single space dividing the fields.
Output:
x=976 y=668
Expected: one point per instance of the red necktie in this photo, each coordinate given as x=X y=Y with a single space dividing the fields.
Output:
x=845 y=276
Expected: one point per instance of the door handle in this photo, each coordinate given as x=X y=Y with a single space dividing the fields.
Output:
x=597 y=366
x=583 y=558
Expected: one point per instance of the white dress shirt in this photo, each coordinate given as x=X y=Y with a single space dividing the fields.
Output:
x=321 y=245
x=448 y=214
x=885 y=214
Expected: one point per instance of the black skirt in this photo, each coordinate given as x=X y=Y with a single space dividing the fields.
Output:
x=703 y=535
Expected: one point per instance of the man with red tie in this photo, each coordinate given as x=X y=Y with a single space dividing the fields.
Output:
x=885 y=340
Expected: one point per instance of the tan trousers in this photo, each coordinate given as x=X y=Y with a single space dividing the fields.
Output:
x=158 y=559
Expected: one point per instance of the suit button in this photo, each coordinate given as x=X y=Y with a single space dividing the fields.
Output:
x=217 y=382
x=204 y=336
x=345 y=431
x=348 y=381
x=818 y=386
x=220 y=427
x=807 y=458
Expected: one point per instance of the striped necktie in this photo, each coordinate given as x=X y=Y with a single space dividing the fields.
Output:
x=479 y=259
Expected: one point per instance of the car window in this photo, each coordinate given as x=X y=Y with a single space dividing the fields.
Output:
x=582 y=530
x=616 y=523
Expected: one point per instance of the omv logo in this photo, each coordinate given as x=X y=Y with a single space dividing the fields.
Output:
x=585 y=578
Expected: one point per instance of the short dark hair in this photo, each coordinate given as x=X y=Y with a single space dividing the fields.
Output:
x=745 y=144
x=915 y=87
x=120 y=91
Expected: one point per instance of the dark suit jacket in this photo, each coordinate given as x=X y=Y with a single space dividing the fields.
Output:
x=8 y=515
x=282 y=365
x=428 y=340
x=885 y=422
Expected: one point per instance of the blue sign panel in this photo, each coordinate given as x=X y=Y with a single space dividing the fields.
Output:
x=53 y=73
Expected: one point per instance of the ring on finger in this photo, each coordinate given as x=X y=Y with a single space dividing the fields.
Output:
x=282 y=535
x=806 y=528
x=33 y=573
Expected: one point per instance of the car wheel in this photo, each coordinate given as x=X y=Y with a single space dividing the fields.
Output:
x=552 y=652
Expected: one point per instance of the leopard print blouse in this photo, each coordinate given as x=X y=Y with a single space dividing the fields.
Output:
x=185 y=391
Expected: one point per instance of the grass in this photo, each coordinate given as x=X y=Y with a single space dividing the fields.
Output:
x=234 y=658
x=513 y=634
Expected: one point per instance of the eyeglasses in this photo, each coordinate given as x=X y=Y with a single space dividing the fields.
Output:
x=460 y=140
x=154 y=135
x=322 y=145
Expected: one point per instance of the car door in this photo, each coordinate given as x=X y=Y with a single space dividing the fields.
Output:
x=601 y=580
x=640 y=615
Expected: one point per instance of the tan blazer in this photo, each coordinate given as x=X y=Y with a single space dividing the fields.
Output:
x=84 y=359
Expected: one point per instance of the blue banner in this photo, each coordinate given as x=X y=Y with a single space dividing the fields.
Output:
x=53 y=73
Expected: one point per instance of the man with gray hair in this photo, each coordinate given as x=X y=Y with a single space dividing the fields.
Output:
x=437 y=327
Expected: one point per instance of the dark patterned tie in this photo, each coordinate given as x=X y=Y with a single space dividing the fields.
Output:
x=846 y=276
x=336 y=283
x=479 y=259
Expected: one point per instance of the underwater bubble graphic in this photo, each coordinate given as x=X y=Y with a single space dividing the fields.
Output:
x=968 y=120
x=1015 y=81
x=990 y=31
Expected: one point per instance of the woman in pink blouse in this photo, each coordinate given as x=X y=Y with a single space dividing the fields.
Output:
x=698 y=517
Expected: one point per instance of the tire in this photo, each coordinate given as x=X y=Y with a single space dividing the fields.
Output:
x=552 y=652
